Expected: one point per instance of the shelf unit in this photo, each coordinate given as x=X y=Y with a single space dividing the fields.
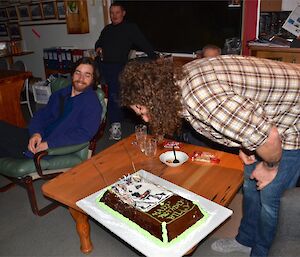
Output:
x=283 y=54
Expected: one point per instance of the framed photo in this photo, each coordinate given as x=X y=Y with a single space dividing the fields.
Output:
x=36 y=11
x=4 y=3
x=49 y=10
x=3 y=30
x=3 y=14
x=12 y=13
x=14 y=30
x=72 y=7
x=24 y=12
x=61 y=10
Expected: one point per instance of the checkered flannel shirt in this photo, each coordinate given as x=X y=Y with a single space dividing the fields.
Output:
x=235 y=100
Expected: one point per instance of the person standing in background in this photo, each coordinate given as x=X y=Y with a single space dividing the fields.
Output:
x=208 y=50
x=113 y=47
x=211 y=51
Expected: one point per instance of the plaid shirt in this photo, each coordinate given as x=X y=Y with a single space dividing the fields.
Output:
x=235 y=100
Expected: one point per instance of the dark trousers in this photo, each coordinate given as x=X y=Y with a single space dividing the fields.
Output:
x=13 y=140
x=111 y=72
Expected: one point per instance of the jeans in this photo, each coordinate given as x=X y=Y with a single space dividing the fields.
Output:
x=111 y=72
x=260 y=208
x=13 y=140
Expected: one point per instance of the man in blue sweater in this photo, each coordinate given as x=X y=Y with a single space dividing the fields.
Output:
x=72 y=116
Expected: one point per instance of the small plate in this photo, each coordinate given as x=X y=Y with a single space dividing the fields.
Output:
x=168 y=158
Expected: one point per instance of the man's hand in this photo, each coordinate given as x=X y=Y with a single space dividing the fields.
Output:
x=42 y=146
x=34 y=142
x=263 y=175
x=36 y=145
x=99 y=51
x=247 y=159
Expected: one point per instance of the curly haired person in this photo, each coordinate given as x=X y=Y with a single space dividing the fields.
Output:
x=244 y=102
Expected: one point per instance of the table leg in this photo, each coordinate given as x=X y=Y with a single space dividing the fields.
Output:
x=83 y=230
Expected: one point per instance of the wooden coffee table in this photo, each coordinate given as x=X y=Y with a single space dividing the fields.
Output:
x=216 y=182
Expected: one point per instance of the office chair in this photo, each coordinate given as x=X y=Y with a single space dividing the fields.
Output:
x=25 y=172
x=20 y=66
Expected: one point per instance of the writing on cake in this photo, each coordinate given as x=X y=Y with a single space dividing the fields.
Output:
x=156 y=212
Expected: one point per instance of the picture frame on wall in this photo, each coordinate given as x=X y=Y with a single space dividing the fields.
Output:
x=3 y=14
x=36 y=11
x=61 y=10
x=14 y=30
x=12 y=13
x=49 y=10
x=14 y=1
x=4 y=3
x=24 y=13
x=3 y=30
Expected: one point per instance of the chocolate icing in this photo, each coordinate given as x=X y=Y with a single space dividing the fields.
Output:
x=177 y=212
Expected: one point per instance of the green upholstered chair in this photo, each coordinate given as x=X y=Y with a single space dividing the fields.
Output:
x=24 y=172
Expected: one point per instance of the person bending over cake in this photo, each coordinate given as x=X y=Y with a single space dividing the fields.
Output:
x=72 y=116
x=244 y=102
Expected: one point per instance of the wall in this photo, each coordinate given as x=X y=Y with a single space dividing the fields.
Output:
x=56 y=35
x=289 y=5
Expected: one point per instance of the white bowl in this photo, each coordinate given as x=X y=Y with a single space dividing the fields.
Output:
x=168 y=158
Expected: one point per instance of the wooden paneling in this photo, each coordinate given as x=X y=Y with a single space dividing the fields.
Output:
x=77 y=17
x=270 y=5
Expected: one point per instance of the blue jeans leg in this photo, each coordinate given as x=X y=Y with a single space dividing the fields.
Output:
x=111 y=73
x=260 y=208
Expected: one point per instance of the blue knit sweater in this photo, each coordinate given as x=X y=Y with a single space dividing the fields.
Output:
x=68 y=120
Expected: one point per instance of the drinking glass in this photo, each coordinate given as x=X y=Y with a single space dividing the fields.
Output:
x=150 y=147
x=140 y=132
x=141 y=135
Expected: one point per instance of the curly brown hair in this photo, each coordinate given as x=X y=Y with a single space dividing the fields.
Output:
x=152 y=84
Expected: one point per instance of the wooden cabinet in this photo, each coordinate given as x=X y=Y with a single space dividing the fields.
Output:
x=276 y=53
x=180 y=61
x=270 y=5
x=77 y=17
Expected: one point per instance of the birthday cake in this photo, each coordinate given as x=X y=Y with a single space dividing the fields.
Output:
x=156 y=212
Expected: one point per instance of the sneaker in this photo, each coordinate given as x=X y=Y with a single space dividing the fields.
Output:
x=115 y=131
x=229 y=245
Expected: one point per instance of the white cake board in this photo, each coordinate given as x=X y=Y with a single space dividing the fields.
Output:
x=217 y=214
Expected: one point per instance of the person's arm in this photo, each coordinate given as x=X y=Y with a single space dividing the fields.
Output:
x=98 y=44
x=87 y=123
x=45 y=116
x=270 y=151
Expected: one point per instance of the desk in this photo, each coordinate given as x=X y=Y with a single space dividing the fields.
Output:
x=217 y=182
x=10 y=57
x=11 y=84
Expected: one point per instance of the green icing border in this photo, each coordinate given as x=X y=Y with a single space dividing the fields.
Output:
x=145 y=233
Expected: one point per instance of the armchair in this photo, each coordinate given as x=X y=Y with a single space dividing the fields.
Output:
x=25 y=171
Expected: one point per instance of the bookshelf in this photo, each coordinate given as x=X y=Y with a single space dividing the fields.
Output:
x=61 y=59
